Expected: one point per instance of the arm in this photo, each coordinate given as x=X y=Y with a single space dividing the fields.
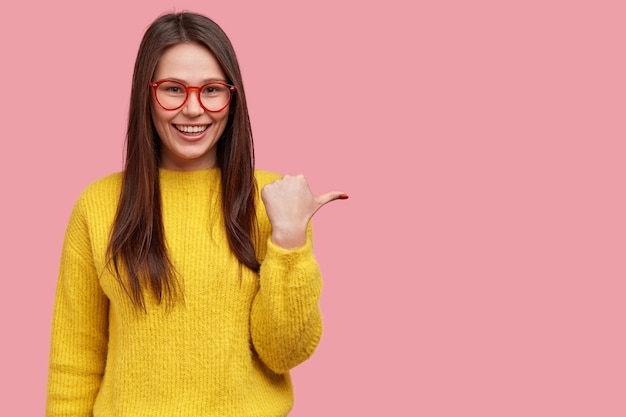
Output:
x=286 y=322
x=79 y=327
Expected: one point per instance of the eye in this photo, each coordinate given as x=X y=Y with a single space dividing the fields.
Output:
x=172 y=88
x=213 y=90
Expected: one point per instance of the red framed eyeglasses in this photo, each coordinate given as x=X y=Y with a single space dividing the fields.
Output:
x=172 y=95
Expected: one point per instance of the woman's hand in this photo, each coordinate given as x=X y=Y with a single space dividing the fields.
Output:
x=290 y=205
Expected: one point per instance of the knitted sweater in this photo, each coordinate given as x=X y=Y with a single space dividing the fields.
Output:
x=225 y=351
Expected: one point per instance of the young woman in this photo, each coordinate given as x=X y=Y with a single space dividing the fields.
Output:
x=188 y=285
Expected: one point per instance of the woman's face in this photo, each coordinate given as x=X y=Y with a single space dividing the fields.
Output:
x=189 y=134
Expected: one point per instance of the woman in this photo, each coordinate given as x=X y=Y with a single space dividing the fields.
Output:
x=187 y=285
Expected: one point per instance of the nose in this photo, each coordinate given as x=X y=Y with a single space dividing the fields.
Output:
x=193 y=107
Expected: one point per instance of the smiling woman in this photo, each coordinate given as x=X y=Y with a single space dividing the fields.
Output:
x=188 y=284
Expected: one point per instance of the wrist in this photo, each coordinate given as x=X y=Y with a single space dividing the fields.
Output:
x=289 y=239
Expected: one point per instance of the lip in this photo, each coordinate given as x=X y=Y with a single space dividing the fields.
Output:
x=194 y=137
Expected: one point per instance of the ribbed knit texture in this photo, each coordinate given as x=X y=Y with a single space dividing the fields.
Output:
x=225 y=351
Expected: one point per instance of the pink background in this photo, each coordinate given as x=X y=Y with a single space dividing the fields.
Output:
x=478 y=268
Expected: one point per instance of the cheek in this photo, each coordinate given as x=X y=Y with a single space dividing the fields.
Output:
x=221 y=123
x=157 y=117
x=223 y=117
x=160 y=119
x=160 y=123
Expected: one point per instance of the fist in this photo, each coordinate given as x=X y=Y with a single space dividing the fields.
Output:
x=290 y=205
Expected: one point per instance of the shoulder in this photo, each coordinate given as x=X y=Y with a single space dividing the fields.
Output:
x=265 y=177
x=103 y=191
x=95 y=208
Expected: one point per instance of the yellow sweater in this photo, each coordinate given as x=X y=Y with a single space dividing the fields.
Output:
x=225 y=351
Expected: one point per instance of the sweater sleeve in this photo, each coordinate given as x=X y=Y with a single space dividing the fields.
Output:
x=286 y=323
x=79 y=327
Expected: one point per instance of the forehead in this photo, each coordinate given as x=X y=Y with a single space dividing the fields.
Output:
x=188 y=62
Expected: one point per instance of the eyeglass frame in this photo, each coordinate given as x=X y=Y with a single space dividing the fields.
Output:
x=188 y=88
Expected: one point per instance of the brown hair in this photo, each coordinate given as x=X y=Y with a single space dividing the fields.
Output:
x=137 y=243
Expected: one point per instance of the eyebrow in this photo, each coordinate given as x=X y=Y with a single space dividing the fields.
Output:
x=204 y=81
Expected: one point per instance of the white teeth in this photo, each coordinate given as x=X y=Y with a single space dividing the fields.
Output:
x=191 y=129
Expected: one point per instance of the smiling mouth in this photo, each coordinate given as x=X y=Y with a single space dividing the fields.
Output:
x=191 y=130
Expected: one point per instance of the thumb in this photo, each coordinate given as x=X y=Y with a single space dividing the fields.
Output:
x=331 y=196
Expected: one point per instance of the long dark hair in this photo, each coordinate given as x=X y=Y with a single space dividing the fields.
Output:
x=137 y=243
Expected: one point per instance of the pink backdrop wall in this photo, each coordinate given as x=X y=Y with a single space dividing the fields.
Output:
x=477 y=268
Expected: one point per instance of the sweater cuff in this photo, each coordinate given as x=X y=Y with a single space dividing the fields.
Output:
x=297 y=263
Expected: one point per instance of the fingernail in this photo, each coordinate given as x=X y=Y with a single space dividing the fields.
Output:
x=343 y=197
